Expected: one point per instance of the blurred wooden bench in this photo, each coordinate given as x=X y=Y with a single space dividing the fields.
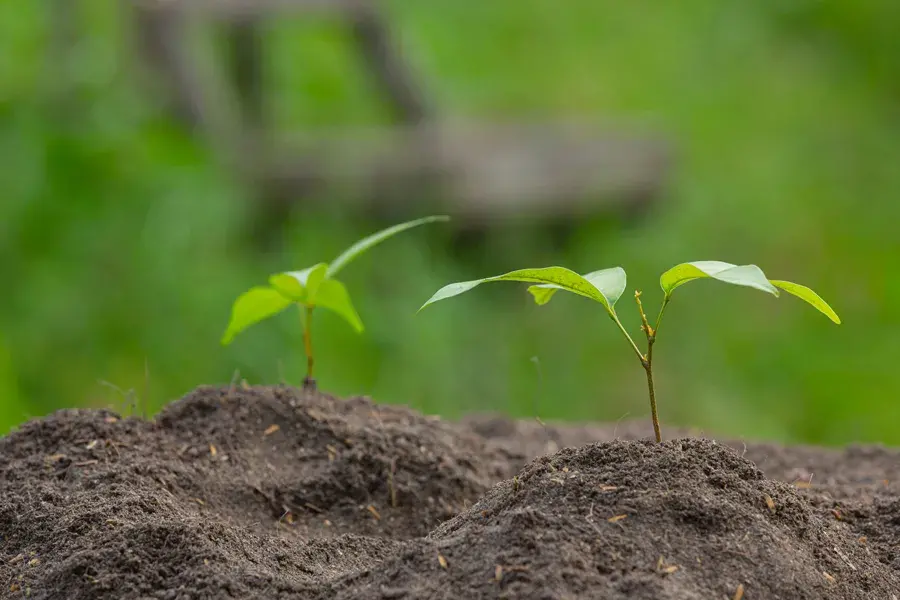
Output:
x=478 y=172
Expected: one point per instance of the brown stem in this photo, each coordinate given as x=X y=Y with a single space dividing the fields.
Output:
x=647 y=362
x=308 y=382
x=648 y=367
x=645 y=326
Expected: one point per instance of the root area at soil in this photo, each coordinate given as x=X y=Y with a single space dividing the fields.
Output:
x=279 y=493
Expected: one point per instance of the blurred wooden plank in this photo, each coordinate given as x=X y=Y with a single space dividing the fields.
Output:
x=193 y=92
x=477 y=171
x=238 y=9
x=387 y=66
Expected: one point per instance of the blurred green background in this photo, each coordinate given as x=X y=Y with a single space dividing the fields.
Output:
x=123 y=241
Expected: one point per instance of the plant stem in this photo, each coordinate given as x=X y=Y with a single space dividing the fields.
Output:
x=637 y=350
x=653 y=413
x=659 y=317
x=647 y=362
x=645 y=326
x=308 y=382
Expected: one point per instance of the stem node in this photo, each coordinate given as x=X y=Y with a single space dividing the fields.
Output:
x=647 y=360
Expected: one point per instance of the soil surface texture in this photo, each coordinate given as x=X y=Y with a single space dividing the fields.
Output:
x=280 y=493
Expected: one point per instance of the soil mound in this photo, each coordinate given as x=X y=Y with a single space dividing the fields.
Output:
x=326 y=465
x=246 y=493
x=279 y=493
x=639 y=520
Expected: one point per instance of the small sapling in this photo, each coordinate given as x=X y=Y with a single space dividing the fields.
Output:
x=307 y=289
x=607 y=286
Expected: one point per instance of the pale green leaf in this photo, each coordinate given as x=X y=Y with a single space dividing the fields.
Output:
x=610 y=282
x=542 y=293
x=333 y=295
x=288 y=287
x=299 y=286
x=559 y=276
x=253 y=306
x=804 y=293
x=376 y=238
x=745 y=275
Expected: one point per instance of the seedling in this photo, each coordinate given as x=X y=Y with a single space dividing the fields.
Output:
x=607 y=286
x=307 y=289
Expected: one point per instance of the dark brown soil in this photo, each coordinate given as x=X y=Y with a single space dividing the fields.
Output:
x=278 y=493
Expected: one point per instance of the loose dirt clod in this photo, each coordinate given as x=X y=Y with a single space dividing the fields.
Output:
x=352 y=500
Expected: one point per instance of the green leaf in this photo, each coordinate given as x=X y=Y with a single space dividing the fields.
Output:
x=610 y=282
x=253 y=306
x=559 y=276
x=804 y=293
x=333 y=295
x=376 y=238
x=746 y=275
x=299 y=286
x=288 y=287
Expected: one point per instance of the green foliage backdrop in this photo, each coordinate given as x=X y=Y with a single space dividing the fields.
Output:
x=122 y=244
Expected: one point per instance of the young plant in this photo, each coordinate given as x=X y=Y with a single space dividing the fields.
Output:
x=607 y=286
x=307 y=289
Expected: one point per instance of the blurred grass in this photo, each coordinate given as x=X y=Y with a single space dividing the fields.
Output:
x=123 y=244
